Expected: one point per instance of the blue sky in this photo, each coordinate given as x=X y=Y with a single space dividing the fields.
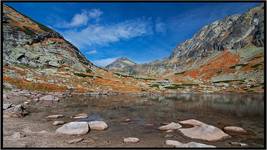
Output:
x=143 y=32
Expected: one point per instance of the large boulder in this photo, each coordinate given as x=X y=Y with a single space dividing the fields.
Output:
x=202 y=131
x=74 y=128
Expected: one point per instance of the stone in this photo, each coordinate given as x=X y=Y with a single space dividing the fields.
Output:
x=49 y=98
x=18 y=135
x=98 y=125
x=127 y=120
x=169 y=131
x=80 y=116
x=234 y=129
x=7 y=105
x=202 y=131
x=75 y=140
x=170 y=126
x=54 y=116
x=131 y=140
x=74 y=128
x=238 y=144
x=16 y=111
x=175 y=143
x=168 y=136
x=55 y=123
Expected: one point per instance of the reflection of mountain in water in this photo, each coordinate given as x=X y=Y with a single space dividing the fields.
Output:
x=240 y=105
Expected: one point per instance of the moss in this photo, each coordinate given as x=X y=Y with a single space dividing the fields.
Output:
x=28 y=31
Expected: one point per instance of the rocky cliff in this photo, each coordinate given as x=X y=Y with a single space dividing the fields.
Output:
x=27 y=42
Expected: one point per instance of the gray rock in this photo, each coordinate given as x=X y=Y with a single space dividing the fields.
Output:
x=80 y=116
x=56 y=123
x=7 y=105
x=131 y=140
x=202 y=131
x=170 y=126
x=74 y=128
x=188 y=145
x=238 y=144
x=75 y=140
x=234 y=129
x=98 y=125
x=55 y=116
x=49 y=98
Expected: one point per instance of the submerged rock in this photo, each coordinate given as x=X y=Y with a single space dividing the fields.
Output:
x=190 y=144
x=48 y=98
x=98 y=125
x=74 y=128
x=75 y=140
x=81 y=115
x=202 y=131
x=55 y=123
x=238 y=144
x=170 y=126
x=54 y=116
x=234 y=129
x=131 y=140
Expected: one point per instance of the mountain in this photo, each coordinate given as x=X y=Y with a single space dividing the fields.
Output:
x=120 y=64
x=36 y=57
x=233 y=41
x=27 y=42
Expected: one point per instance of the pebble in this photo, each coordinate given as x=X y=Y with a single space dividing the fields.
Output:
x=55 y=116
x=234 y=129
x=131 y=140
x=80 y=116
x=55 y=123
x=75 y=141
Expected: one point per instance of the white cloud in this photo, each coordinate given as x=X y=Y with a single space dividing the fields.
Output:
x=104 y=62
x=160 y=27
x=81 y=19
x=91 y=52
x=106 y=34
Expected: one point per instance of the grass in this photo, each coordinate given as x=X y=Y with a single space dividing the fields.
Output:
x=45 y=87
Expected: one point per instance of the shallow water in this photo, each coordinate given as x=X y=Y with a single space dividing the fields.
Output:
x=147 y=113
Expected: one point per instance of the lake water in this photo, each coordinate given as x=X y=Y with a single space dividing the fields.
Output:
x=147 y=113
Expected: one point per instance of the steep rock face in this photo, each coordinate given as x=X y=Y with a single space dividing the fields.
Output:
x=32 y=44
x=233 y=32
x=120 y=64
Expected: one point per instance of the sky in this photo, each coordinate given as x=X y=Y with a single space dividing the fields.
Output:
x=142 y=32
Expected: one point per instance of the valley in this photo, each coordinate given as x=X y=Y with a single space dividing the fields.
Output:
x=52 y=94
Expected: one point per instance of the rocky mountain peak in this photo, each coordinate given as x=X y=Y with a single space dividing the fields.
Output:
x=120 y=64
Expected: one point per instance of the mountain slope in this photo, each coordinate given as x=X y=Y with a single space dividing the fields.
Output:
x=32 y=44
x=120 y=64
x=37 y=58
x=232 y=34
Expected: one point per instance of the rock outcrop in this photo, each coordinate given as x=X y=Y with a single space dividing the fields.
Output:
x=27 y=42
